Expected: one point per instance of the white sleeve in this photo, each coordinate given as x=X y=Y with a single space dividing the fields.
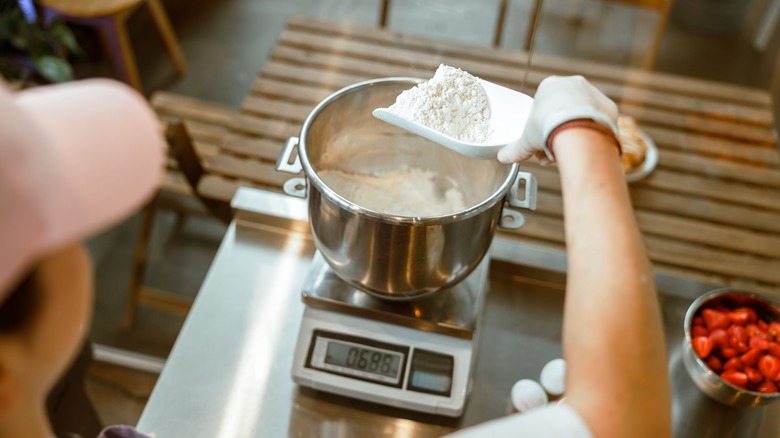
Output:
x=552 y=421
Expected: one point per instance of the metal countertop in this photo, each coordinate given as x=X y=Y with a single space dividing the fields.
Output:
x=229 y=373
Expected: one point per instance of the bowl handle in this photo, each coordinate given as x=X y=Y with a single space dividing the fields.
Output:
x=283 y=163
x=529 y=197
x=511 y=219
x=293 y=186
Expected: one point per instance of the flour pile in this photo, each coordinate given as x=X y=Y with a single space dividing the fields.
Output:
x=411 y=192
x=451 y=102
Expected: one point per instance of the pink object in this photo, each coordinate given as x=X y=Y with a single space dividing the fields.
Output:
x=74 y=159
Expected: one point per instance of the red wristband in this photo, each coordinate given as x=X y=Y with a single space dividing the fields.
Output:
x=583 y=123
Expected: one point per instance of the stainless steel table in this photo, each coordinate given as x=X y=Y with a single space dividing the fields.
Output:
x=229 y=372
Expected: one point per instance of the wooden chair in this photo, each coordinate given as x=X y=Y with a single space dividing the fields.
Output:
x=110 y=18
x=178 y=193
x=183 y=149
x=662 y=6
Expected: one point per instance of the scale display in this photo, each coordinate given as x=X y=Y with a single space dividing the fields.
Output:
x=343 y=356
x=356 y=357
x=382 y=363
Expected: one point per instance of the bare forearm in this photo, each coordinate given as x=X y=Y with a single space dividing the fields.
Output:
x=613 y=335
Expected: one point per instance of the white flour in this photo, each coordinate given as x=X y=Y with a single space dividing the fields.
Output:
x=412 y=192
x=452 y=102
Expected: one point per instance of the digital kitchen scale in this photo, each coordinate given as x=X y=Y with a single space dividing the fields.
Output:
x=416 y=354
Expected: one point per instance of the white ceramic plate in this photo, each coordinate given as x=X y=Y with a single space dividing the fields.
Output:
x=651 y=160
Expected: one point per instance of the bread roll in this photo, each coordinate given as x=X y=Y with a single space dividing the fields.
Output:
x=634 y=148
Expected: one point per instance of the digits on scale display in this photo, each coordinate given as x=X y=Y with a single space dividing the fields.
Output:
x=363 y=359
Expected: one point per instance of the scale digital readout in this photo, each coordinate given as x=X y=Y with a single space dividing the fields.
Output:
x=383 y=363
x=350 y=356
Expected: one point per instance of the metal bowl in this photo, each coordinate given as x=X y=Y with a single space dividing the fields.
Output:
x=392 y=255
x=709 y=381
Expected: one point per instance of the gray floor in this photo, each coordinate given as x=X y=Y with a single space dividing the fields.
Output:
x=227 y=41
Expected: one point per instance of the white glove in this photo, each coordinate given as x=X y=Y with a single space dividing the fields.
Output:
x=559 y=99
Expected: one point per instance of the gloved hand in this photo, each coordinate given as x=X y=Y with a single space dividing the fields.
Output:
x=559 y=99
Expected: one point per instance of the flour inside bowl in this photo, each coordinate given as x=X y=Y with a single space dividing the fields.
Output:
x=412 y=192
x=451 y=102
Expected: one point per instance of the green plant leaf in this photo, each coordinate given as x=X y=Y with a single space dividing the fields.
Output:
x=54 y=69
x=63 y=35
x=5 y=28
x=18 y=42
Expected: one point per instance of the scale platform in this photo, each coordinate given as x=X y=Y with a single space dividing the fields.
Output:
x=415 y=354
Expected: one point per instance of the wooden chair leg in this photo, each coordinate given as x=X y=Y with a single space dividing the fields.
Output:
x=383 y=10
x=657 y=36
x=500 y=20
x=169 y=38
x=178 y=225
x=118 y=44
x=139 y=266
x=534 y=22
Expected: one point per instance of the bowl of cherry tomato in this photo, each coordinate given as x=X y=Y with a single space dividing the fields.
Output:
x=732 y=347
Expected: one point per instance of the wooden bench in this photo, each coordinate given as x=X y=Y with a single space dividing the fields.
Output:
x=710 y=212
x=230 y=162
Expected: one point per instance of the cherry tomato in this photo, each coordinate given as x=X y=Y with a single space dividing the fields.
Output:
x=702 y=346
x=760 y=334
x=714 y=363
x=739 y=332
x=743 y=315
x=728 y=352
x=769 y=367
x=736 y=343
x=753 y=375
x=719 y=338
x=767 y=387
x=757 y=342
x=774 y=330
x=774 y=349
x=737 y=378
x=715 y=319
x=751 y=357
x=699 y=330
x=733 y=364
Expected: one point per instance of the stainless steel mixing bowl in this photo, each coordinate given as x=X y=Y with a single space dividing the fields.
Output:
x=708 y=381
x=392 y=256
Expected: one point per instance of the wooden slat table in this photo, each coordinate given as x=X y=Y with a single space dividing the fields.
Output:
x=709 y=212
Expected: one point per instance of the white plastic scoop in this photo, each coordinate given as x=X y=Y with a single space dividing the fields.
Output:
x=509 y=111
